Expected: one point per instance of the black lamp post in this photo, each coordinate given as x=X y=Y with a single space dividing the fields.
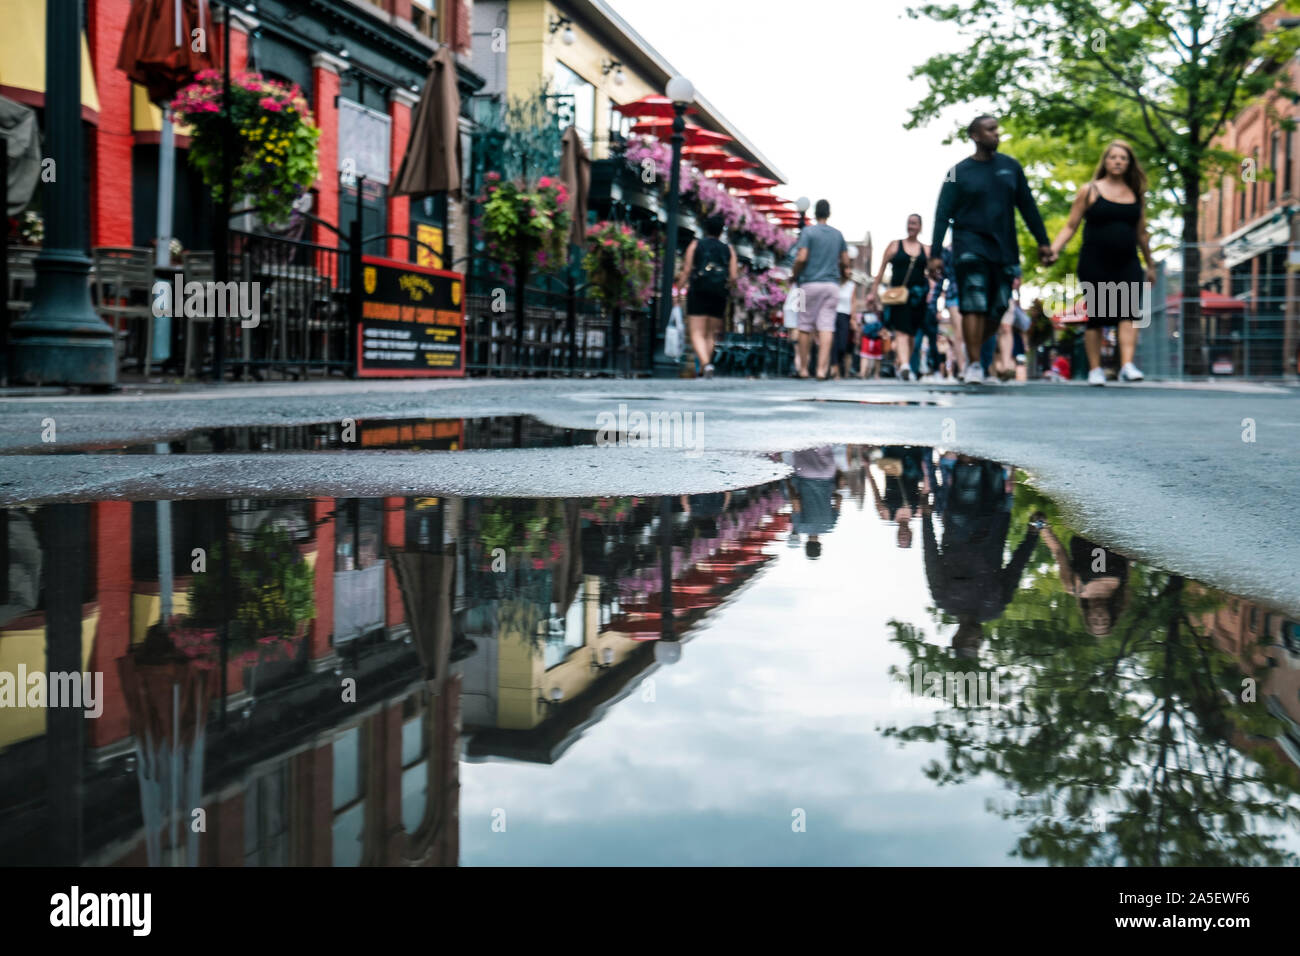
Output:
x=681 y=92
x=61 y=339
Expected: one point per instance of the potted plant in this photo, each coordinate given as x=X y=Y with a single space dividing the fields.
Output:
x=275 y=154
x=619 y=266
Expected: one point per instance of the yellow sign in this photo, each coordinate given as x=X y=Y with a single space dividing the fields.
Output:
x=371 y=278
x=430 y=236
x=455 y=293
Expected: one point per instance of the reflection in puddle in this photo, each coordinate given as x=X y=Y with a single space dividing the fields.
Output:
x=408 y=434
x=633 y=680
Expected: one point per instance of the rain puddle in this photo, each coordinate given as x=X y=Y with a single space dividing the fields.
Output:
x=895 y=656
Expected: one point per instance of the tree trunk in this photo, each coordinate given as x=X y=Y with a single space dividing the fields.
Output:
x=1195 y=359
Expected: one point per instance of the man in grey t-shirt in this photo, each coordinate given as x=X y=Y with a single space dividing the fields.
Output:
x=821 y=263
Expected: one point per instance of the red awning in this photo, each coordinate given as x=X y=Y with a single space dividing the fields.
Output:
x=693 y=135
x=746 y=181
x=706 y=157
x=1210 y=302
x=660 y=106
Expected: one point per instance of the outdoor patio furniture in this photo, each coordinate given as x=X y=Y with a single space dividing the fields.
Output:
x=199 y=267
x=123 y=283
x=22 y=277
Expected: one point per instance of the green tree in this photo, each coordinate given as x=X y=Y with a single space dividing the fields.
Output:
x=1166 y=75
x=1131 y=748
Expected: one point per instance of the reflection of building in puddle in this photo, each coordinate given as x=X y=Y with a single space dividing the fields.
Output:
x=296 y=770
x=560 y=639
x=1267 y=644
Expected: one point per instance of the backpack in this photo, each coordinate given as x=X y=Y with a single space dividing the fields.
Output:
x=711 y=270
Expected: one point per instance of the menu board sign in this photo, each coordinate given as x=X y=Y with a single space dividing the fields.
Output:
x=412 y=320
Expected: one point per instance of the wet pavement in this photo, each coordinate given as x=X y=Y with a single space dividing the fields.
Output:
x=881 y=654
x=1197 y=479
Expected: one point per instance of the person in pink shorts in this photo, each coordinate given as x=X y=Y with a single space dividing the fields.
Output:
x=821 y=263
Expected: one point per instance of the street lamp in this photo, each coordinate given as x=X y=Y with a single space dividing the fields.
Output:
x=802 y=204
x=61 y=339
x=681 y=92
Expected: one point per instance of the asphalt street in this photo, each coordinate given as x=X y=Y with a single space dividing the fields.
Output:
x=1201 y=480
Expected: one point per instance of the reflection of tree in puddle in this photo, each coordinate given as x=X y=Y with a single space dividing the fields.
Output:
x=1126 y=747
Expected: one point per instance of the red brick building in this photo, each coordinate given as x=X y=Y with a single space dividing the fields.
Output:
x=365 y=58
x=1248 y=224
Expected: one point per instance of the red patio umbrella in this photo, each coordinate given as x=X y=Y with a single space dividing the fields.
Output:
x=706 y=157
x=660 y=106
x=693 y=135
x=746 y=181
x=735 y=164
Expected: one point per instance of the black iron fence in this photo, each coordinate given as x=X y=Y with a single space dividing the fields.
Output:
x=564 y=331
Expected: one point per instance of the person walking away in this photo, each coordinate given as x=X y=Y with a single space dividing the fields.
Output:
x=979 y=199
x=708 y=272
x=841 y=355
x=821 y=263
x=873 y=350
x=909 y=288
x=928 y=336
x=952 y=304
x=1113 y=209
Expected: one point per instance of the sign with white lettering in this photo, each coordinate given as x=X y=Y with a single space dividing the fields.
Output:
x=412 y=320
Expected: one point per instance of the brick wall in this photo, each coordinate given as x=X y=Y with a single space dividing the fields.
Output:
x=110 y=141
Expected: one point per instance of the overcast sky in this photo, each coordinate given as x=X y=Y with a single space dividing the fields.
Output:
x=820 y=88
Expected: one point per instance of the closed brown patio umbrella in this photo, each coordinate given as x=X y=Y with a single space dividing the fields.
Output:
x=159 y=44
x=575 y=173
x=432 y=163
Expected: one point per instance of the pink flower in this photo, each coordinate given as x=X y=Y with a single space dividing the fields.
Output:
x=270 y=104
x=493 y=177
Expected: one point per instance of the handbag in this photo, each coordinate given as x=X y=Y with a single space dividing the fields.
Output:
x=899 y=294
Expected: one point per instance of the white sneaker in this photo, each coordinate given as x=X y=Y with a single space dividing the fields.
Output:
x=1131 y=373
x=1097 y=376
x=974 y=374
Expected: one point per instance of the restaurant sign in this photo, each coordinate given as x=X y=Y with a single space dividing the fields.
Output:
x=412 y=320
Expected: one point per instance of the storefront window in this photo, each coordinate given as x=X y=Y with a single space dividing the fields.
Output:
x=584 y=101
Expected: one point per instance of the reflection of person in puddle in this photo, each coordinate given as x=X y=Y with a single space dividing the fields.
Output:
x=907 y=484
x=1094 y=575
x=702 y=512
x=967 y=579
x=813 y=500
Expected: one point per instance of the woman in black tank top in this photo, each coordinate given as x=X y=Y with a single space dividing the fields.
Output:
x=908 y=258
x=1110 y=276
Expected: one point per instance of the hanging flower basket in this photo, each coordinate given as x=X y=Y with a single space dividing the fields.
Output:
x=275 y=158
x=619 y=266
x=526 y=227
x=271 y=603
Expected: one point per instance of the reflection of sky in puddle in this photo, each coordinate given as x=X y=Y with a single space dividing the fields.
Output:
x=774 y=705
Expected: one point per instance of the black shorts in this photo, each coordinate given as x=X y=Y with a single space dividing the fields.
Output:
x=840 y=343
x=702 y=303
x=983 y=286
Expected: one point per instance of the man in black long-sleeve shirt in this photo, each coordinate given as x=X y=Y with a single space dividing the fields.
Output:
x=979 y=197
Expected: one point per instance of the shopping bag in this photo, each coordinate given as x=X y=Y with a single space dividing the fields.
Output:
x=675 y=334
x=793 y=306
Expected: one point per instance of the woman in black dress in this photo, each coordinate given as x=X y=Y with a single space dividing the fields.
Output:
x=1113 y=208
x=908 y=257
